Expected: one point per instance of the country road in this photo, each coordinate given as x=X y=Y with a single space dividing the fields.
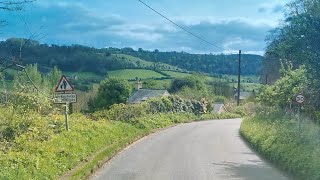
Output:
x=195 y=151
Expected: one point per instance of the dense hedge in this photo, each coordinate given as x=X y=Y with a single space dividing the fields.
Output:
x=276 y=137
x=170 y=104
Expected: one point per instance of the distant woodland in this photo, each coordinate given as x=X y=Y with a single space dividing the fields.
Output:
x=82 y=58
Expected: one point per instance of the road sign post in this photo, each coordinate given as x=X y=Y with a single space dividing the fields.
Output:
x=64 y=95
x=66 y=116
x=300 y=99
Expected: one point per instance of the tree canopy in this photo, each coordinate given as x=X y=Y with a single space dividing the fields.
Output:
x=111 y=91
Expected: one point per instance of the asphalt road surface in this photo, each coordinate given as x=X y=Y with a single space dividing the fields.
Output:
x=196 y=151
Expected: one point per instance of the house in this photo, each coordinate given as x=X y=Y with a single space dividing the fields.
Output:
x=142 y=95
x=219 y=108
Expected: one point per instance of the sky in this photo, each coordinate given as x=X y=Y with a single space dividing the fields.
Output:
x=229 y=24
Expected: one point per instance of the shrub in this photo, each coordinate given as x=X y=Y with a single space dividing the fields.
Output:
x=123 y=112
x=111 y=91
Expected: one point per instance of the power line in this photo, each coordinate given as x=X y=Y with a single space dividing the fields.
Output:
x=184 y=29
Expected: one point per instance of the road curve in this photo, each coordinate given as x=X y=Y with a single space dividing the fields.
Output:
x=195 y=151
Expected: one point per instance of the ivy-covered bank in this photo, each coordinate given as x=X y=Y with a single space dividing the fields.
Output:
x=275 y=135
x=35 y=145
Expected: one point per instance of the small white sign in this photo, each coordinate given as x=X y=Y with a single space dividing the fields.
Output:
x=300 y=98
x=64 y=85
x=65 y=98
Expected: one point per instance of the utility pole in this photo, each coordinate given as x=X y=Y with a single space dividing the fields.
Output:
x=266 y=79
x=239 y=72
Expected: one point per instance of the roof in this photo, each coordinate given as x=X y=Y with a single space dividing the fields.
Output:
x=219 y=108
x=144 y=94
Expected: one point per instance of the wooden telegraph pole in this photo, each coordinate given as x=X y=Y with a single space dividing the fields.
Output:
x=239 y=72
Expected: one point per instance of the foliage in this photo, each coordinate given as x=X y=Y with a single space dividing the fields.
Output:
x=54 y=77
x=276 y=137
x=146 y=64
x=285 y=89
x=171 y=104
x=207 y=63
x=122 y=112
x=111 y=91
x=87 y=59
x=297 y=41
x=195 y=82
x=133 y=73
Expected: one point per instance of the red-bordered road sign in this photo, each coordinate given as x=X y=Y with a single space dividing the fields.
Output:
x=64 y=85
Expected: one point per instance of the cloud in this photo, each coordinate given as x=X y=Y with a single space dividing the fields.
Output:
x=230 y=35
x=278 y=8
x=69 y=22
x=274 y=7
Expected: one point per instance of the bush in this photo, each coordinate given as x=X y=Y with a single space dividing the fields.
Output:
x=111 y=91
x=123 y=112
x=24 y=102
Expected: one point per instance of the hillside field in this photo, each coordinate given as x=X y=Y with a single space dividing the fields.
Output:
x=133 y=73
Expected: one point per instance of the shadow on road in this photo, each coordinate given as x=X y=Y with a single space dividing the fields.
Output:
x=253 y=171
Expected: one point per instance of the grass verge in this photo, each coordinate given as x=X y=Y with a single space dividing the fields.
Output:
x=276 y=137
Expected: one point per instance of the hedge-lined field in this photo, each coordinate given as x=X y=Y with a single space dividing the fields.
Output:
x=276 y=137
x=133 y=73
x=36 y=146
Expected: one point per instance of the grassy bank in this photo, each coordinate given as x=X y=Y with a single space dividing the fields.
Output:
x=35 y=146
x=276 y=137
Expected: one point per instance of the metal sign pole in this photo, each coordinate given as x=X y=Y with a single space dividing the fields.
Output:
x=300 y=99
x=299 y=118
x=66 y=116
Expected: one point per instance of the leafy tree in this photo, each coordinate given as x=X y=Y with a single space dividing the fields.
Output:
x=282 y=93
x=196 y=82
x=26 y=81
x=54 y=76
x=111 y=91
x=297 y=40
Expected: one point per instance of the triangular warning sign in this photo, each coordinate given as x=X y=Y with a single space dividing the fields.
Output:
x=64 y=85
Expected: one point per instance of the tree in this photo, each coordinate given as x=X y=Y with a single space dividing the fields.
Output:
x=195 y=82
x=111 y=91
x=26 y=81
x=291 y=83
x=297 y=41
x=54 y=76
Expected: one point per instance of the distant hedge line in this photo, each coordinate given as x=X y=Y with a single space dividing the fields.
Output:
x=276 y=137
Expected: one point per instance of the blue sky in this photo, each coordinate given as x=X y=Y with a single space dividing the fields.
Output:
x=229 y=24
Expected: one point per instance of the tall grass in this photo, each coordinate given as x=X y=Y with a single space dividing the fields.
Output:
x=276 y=136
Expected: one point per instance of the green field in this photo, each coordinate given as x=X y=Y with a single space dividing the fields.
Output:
x=133 y=73
x=84 y=75
x=144 y=63
x=251 y=78
x=177 y=74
